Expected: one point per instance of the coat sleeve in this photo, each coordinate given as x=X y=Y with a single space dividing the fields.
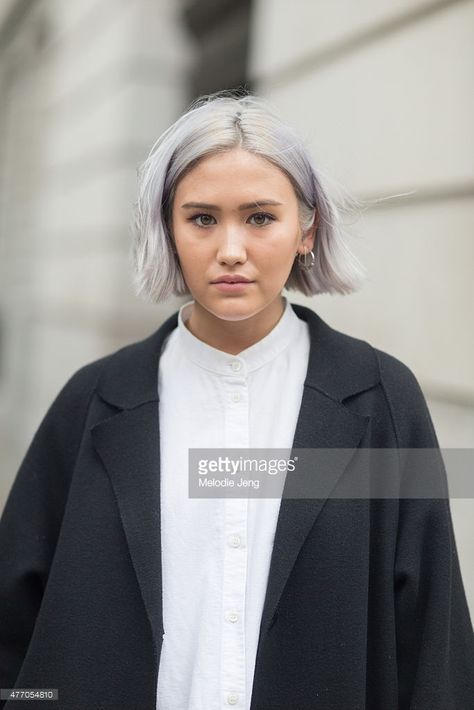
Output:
x=435 y=640
x=32 y=516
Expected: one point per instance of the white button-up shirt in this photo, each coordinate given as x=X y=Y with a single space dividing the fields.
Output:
x=216 y=551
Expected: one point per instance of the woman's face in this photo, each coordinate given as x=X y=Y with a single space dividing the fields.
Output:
x=219 y=230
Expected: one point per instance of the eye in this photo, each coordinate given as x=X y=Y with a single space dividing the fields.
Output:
x=205 y=220
x=265 y=215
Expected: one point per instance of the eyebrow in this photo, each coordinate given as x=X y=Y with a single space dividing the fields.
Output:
x=245 y=206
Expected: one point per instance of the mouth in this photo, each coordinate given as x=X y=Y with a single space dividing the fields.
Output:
x=235 y=278
x=232 y=286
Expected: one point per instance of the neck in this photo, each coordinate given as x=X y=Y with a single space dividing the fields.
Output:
x=234 y=336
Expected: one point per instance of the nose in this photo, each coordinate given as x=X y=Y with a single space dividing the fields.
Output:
x=231 y=249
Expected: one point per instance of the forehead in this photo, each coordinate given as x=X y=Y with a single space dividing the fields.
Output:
x=235 y=171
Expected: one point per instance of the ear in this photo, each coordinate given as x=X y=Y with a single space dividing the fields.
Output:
x=308 y=238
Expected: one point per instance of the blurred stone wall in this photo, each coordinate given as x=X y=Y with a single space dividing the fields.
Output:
x=85 y=89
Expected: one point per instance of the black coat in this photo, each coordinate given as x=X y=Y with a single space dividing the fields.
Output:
x=365 y=605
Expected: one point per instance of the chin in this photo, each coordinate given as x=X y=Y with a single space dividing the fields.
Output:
x=235 y=313
x=233 y=308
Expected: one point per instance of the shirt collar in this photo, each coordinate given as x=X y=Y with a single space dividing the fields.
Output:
x=286 y=331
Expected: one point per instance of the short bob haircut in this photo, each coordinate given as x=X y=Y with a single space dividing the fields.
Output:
x=219 y=122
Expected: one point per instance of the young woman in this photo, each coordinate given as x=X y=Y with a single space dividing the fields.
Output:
x=118 y=588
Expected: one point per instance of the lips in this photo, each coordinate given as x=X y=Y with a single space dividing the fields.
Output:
x=232 y=280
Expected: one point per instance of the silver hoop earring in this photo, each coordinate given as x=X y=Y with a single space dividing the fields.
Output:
x=305 y=265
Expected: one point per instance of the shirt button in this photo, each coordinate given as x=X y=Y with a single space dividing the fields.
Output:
x=236 y=396
x=234 y=541
x=236 y=365
x=232 y=616
x=232 y=698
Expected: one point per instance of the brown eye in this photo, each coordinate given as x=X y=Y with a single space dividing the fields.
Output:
x=261 y=217
x=205 y=220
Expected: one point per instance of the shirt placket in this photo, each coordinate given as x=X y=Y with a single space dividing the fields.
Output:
x=233 y=661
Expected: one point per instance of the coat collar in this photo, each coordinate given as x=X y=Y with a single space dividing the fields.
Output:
x=128 y=445
x=286 y=331
x=334 y=368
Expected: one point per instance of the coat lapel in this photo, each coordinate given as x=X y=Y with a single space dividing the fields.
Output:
x=128 y=445
x=339 y=366
x=322 y=423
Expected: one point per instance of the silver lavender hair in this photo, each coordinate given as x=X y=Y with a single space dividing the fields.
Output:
x=218 y=122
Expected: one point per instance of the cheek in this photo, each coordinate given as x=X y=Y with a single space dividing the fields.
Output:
x=194 y=257
x=276 y=250
x=186 y=241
